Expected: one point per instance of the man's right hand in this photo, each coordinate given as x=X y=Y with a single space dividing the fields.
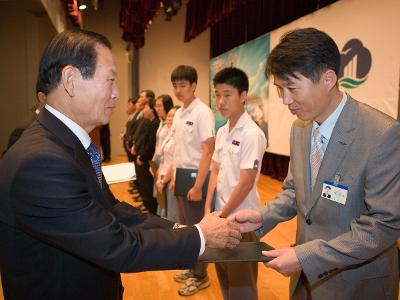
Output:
x=247 y=220
x=219 y=232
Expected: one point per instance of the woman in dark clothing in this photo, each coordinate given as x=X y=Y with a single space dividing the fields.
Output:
x=145 y=147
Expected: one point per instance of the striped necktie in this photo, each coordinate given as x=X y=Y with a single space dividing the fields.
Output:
x=95 y=158
x=316 y=155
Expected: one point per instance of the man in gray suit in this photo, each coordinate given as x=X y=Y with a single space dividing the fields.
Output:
x=346 y=239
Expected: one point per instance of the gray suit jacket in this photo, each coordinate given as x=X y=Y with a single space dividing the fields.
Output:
x=346 y=251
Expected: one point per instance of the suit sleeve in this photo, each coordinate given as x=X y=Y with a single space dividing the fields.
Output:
x=376 y=229
x=282 y=208
x=52 y=203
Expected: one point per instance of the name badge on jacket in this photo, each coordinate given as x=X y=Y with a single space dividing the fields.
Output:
x=336 y=193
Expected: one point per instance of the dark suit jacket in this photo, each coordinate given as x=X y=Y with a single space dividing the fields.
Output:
x=146 y=142
x=132 y=129
x=64 y=237
x=347 y=251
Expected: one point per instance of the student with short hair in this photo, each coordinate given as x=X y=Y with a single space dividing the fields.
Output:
x=193 y=132
x=235 y=169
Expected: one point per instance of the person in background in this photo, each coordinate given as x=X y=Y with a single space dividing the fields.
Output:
x=193 y=132
x=135 y=129
x=163 y=105
x=130 y=111
x=63 y=233
x=133 y=133
x=165 y=171
x=145 y=146
x=235 y=169
x=346 y=243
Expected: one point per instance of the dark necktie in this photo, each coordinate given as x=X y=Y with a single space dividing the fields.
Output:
x=95 y=158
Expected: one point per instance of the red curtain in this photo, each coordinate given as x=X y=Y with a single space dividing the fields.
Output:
x=73 y=12
x=234 y=22
x=134 y=19
x=204 y=13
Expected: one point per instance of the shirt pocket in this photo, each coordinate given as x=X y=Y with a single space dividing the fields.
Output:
x=234 y=150
x=234 y=154
x=188 y=128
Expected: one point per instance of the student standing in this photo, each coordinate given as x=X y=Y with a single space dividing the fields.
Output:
x=193 y=131
x=235 y=169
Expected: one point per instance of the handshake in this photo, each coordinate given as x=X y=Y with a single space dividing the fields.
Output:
x=219 y=232
x=226 y=233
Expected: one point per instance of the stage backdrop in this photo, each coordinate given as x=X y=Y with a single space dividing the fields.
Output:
x=249 y=57
x=367 y=34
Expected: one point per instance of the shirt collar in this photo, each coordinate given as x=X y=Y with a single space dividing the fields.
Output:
x=80 y=133
x=240 y=122
x=326 y=128
x=191 y=106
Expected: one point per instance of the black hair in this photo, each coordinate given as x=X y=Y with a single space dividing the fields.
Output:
x=149 y=93
x=72 y=47
x=166 y=101
x=233 y=77
x=152 y=104
x=307 y=51
x=40 y=87
x=132 y=100
x=184 y=72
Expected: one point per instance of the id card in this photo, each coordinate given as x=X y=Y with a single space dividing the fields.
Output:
x=336 y=193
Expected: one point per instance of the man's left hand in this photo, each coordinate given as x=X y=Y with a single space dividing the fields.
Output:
x=285 y=261
x=194 y=194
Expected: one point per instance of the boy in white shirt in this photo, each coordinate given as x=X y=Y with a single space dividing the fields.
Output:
x=193 y=133
x=236 y=164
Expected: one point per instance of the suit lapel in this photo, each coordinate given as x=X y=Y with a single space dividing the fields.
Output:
x=342 y=136
x=70 y=140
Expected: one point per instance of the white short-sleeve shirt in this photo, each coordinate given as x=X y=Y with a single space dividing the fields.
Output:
x=241 y=148
x=191 y=127
x=167 y=150
x=161 y=134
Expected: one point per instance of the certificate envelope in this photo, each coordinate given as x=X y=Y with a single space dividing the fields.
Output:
x=246 y=251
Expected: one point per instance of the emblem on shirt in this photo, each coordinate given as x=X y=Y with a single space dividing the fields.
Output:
x=236 y=143
x=190 y=123
x=255 y=165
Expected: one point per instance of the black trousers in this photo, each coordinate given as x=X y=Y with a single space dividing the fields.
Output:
x=145 y=182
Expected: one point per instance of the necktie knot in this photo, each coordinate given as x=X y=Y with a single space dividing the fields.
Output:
x=95 y=158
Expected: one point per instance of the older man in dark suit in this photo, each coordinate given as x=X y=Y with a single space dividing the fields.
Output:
x=346 y=238
x=63 y=235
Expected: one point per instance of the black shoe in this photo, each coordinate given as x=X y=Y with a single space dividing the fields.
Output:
x=143 y=208
x=137 y=199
